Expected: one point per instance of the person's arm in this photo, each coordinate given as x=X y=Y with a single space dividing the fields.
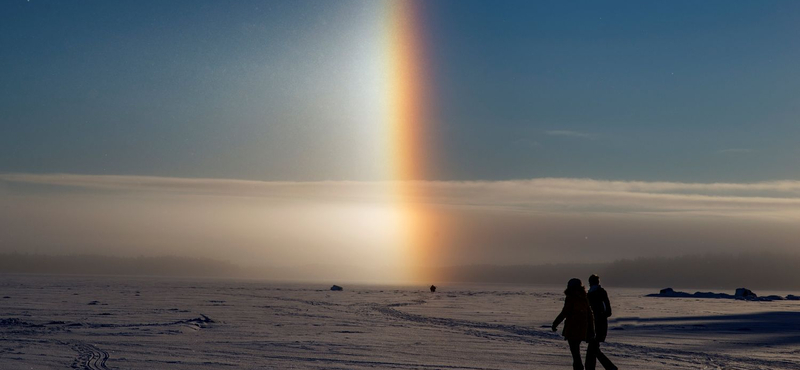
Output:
x=607 y=303
x=563 y=315
x=591 y=332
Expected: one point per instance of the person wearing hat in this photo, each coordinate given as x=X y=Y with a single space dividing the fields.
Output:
x=601 y=308
x=578 y=320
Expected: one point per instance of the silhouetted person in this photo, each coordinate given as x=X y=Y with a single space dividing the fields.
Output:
x=433 y=288
x=579 y=324
x=601 y=308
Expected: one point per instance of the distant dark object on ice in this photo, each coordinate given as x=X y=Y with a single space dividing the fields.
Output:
x=740 y=294
x=336 y=288
x=745 y=293
x=669 y=292
x=433 y=288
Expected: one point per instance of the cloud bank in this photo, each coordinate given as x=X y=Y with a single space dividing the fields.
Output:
x=776 y=199
x=355 y=223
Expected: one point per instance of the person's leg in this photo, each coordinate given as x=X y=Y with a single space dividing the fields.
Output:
x=575 y=348
x=607 y=364
x=591 y=354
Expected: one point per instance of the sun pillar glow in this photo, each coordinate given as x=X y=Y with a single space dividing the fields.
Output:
x=408 y=118
x=407 y=92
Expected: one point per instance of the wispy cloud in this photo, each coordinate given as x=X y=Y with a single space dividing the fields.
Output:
x=735 y=151
x=527 y=143
x=577 y=134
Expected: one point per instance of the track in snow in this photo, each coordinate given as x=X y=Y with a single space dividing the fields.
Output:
x=538 y=337
x=89 y=357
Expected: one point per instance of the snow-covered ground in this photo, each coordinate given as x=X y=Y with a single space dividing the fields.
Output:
x=56 y=322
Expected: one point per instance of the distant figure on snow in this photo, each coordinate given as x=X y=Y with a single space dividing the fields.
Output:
x=601 y=308
x=579 y=325
x=433 y=288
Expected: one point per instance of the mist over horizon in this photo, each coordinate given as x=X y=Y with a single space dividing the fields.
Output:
x=763 y=271
x=356 y=224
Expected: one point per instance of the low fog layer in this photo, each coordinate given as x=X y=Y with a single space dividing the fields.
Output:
x=711 y=271
x=354 y=225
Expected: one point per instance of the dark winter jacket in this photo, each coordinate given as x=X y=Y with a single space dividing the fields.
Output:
x=601 y=308
x=579 y=323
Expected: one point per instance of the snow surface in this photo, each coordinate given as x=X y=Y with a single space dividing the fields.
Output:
x=56 y=322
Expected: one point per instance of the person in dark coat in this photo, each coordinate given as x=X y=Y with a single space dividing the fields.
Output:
x=579 y=324
x=601 y=308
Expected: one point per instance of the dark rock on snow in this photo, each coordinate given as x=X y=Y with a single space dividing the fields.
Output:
x=740 y=294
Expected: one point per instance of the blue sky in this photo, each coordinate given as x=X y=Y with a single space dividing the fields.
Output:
x=674 y=91
x=661 y=90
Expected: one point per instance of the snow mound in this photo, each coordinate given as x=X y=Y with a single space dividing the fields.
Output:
x=740 y=294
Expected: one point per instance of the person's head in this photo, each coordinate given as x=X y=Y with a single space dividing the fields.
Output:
x=594 y=280
x=575 y=286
